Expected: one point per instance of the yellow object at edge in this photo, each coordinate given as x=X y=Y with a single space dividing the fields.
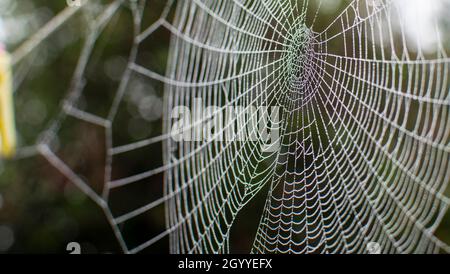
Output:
x=7 y=125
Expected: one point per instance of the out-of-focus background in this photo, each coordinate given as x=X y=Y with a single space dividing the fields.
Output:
x=40 y=210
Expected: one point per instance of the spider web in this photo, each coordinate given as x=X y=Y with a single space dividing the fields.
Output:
x=364 y=127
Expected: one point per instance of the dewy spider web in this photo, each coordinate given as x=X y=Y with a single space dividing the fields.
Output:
x=364 y=130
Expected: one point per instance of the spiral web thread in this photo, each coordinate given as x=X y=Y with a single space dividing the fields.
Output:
x=364 y=131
